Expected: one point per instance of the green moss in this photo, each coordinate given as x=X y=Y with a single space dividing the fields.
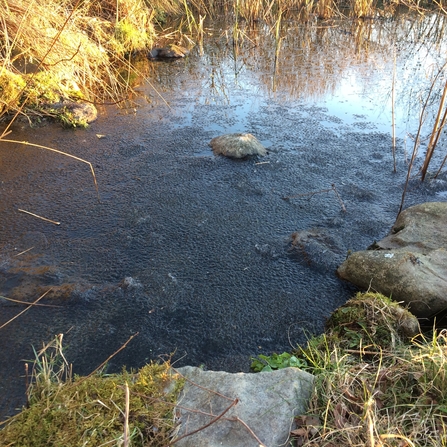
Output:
x=11 y=88
x=90 y=411
x=371 y=320
x=132 y=38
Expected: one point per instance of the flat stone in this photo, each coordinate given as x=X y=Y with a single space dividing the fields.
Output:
x=266 y=402
x=237 y=145
x=410 y=264
x=422 y=227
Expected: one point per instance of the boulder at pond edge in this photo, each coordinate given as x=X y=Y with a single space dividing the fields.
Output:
x=266 y=402
x=410 y=264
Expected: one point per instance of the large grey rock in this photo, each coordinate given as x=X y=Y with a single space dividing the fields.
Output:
x=237 y=145
x=410 y=264
x=422 y=227
x=266 y=402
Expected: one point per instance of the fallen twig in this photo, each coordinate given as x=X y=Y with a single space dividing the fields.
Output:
x=313 y=193
x=24 y=310
x=23 y=252
x=3 y=140
x=39 y=217
x=108 y=358
x=26 y=302
x=235 y=401
x=250 y=430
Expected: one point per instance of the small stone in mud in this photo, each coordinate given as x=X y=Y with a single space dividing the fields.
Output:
x=237 y=145
x=169 y=52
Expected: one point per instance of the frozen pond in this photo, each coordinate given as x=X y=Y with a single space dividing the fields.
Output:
x=193 y=251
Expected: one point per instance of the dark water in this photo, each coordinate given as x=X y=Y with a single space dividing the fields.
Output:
x=193 y=251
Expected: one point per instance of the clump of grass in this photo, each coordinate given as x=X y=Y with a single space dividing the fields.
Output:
x=58 y=50
x=91 y=411
x=371 y=321
x=374 y=385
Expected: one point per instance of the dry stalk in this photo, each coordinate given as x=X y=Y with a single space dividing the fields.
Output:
x=441 y=166
x=58 y=152
x=437 y=129
x=235 y=401
x=416 y=140
x=23 y=311
x=126 y=417
x=393 y=120
x=313 y=193
x=27 y=302
x=108 y=358
x=23 y=252
x=39 y=217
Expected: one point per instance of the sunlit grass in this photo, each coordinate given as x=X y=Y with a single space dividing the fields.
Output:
x=132 y=408
x=373 y=386
x=53 y=50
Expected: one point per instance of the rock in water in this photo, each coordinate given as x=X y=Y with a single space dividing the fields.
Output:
x=82 y=112
x=169 y=52
x=237 y=145
x=410 y=264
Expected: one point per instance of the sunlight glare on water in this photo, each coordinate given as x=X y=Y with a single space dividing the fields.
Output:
x=344 y=68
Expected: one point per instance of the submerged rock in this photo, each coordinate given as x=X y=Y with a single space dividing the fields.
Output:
x=237 y=145
x=267 y=402
x=169 y=52
x=410 y=264
x=317 y=247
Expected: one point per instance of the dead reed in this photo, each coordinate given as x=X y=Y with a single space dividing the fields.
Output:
x=55 y=50
x=375 y=387
x=438 y=126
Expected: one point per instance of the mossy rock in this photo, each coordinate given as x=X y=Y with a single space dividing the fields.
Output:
x=371 y=321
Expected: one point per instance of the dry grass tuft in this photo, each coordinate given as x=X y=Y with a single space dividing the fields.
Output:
x=374 y=387
x=91 y=411
x=55 y=50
